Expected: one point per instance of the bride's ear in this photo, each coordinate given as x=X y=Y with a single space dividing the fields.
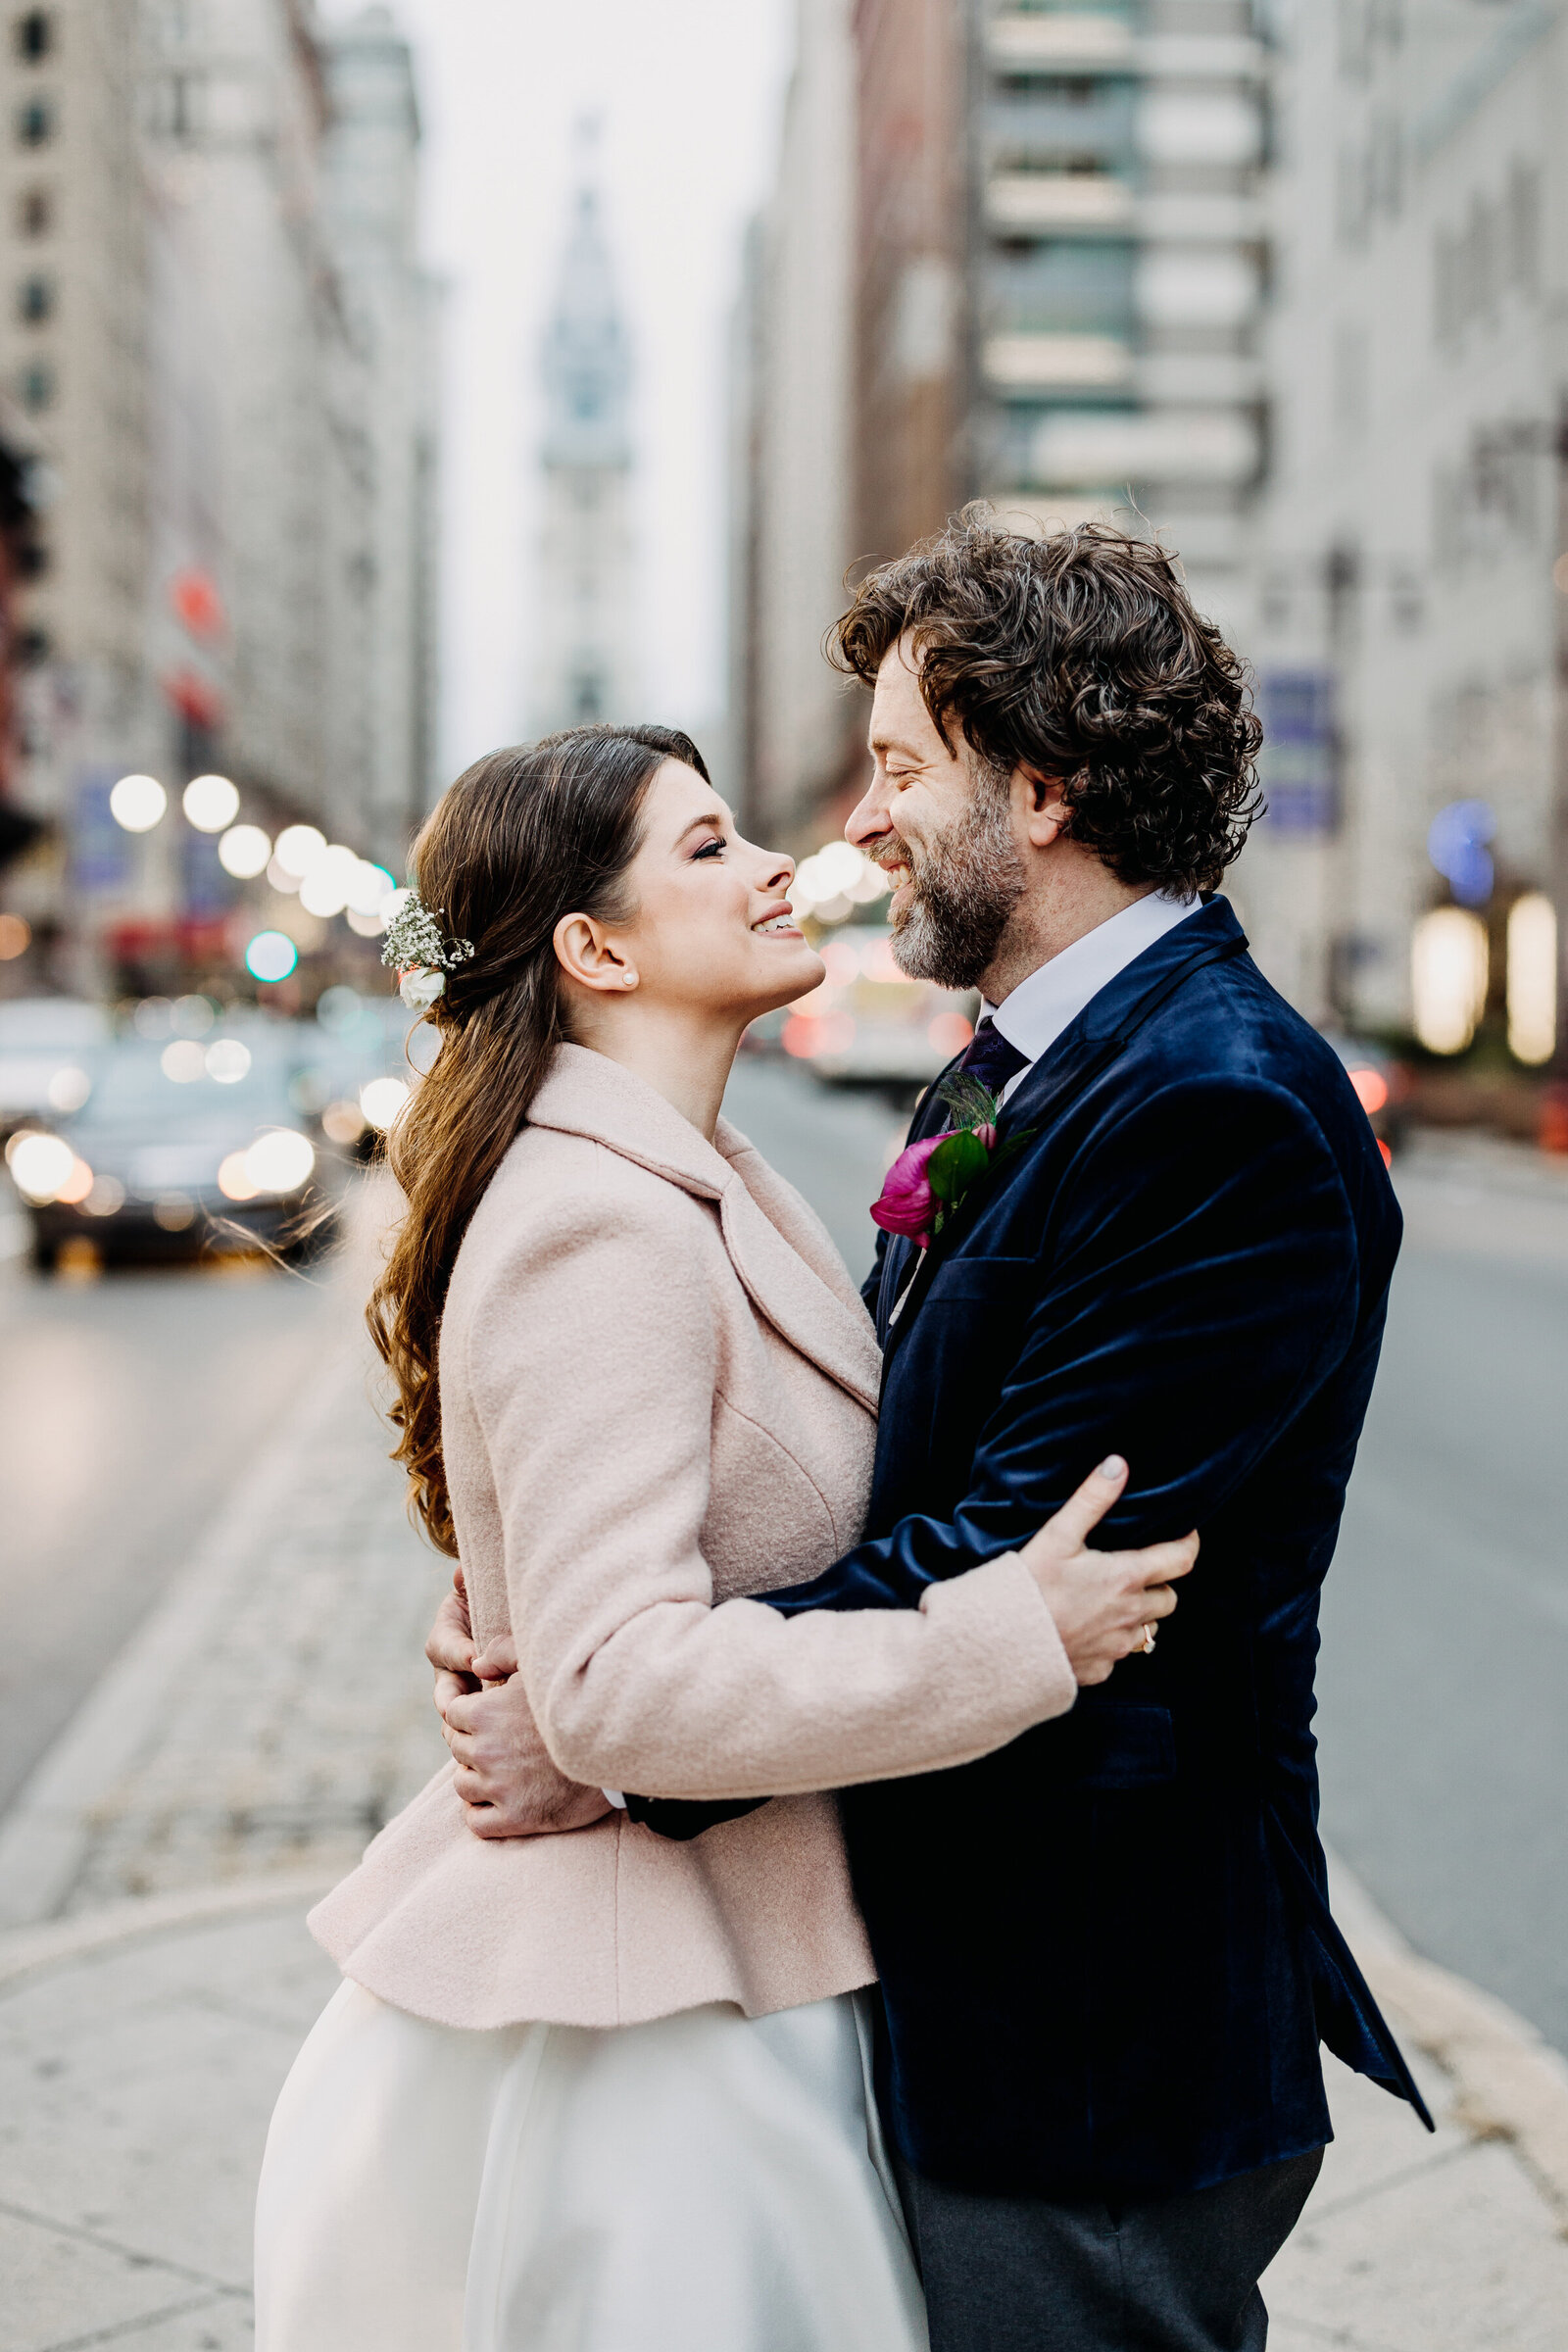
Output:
x=586 y=954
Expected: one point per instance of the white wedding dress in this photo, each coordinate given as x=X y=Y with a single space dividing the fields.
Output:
x=706 y=2182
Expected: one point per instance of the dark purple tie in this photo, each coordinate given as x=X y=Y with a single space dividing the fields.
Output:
x=991 y=1057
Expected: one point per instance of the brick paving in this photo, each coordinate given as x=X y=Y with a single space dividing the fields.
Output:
x=309 y=1722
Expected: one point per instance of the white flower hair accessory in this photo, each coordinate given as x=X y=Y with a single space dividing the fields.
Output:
x=419 y=951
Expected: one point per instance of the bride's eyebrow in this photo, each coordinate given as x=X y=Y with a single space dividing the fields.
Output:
x=715 y=823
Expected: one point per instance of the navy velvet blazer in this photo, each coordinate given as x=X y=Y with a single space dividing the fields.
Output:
x=1106 y=1952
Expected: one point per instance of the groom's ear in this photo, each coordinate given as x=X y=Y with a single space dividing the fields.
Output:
x=1047 y=816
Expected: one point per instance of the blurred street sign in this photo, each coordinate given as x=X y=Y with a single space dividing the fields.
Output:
x=1299 y=766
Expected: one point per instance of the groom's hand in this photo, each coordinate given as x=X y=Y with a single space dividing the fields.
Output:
x=1105 y=1604
x=507 y=1783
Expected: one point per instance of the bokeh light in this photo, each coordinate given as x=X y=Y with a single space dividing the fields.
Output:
x=192 y=1015
x=1456 y=844
x=244 y=852
x=68 y=1088
x=16 y=937
x=1448 y=973
x=210 y=803
x=234 y=1180
x=137 y=803
x=184 y=1061
x=338 y=1009
x=834 y=881
x=343 y=1122
x=77 y=1186
x=227 y=1060
x=297 y=848
x=271 y=956
x=40 y=1164
x=1371 y=1088
x=325 y=889
x=380 y=1099
x=280 y=1162
x=1532 y=979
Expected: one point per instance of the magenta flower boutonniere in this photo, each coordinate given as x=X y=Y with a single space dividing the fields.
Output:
x=930 y=1180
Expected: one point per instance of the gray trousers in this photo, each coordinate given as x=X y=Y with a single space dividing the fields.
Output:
x=1157 y=2275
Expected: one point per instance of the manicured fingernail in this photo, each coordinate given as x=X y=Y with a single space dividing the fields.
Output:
x=1113 y=1467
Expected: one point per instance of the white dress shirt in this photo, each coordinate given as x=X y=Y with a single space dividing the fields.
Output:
x=1037 y=1011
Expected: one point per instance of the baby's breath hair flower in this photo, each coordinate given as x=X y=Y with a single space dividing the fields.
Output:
x=419 y=951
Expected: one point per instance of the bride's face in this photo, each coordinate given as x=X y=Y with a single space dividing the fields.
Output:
x=713 y=930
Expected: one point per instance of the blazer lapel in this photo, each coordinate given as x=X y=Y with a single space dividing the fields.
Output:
x=587 y=1094
x=1104 y=1028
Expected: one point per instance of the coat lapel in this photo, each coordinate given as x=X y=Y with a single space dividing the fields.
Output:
x=1105 y=1027
x=587 y=1094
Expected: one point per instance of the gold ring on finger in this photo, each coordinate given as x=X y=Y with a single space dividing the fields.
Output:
x=1145 y=1646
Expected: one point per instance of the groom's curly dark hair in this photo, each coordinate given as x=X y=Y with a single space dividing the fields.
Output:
x=1079 y=654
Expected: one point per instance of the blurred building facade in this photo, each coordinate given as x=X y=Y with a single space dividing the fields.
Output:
x=218 y=337
x=585 y=665
x=793 y=464
x=1409 y=639
x=1046 y=267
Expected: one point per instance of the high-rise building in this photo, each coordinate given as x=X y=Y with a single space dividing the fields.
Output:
x=385 y=405
x=791 y=459
x=1410 y=638
x=217 y=339
x=1113 y=270
x=75 y=266
x=1050 y=255
x=586 y=666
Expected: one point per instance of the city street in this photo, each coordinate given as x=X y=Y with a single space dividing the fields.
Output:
x=132 y=1404
x=137 y=1403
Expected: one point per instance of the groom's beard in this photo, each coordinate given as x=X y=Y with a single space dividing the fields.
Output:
x=964 y=889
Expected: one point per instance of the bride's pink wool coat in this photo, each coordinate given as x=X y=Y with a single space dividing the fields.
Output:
x=659 y=1391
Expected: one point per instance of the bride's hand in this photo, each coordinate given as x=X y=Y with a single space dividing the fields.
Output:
x=449 y=1645
x=506 y=1779
x=1104 y=1604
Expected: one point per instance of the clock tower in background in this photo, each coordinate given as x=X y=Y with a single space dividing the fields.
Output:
x=586 y=669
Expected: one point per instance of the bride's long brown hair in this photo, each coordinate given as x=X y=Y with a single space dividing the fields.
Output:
x=521 y=839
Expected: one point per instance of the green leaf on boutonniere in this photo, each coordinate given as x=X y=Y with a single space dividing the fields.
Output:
x=954 y=1164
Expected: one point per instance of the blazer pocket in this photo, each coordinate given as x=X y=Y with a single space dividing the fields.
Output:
x=985 y=1280
x=1119 y=1744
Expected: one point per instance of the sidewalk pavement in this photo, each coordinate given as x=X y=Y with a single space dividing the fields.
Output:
x=156 y=1977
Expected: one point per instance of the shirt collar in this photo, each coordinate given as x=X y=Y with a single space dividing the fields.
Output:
x=1034 y=1014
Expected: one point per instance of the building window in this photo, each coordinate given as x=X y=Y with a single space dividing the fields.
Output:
x=36 y=212
x=37 y=386
x=35 y=123
x=35 y=300
x=35 y=36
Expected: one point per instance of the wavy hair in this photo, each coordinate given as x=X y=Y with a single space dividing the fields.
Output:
x=1079 y=654
x=523 y=838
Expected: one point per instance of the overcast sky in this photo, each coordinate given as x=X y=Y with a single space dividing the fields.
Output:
x=688 y=93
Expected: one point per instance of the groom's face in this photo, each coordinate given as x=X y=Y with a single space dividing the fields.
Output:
x=940 y=825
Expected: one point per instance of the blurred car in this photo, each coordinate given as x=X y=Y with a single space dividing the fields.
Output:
x=1382 y=1088
x=869 y=1024
x=49 y=1049
x=196 y=1146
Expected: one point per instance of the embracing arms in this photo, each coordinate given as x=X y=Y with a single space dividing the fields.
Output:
x=601 y=1449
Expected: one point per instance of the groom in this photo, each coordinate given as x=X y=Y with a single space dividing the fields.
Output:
x=1105 y=1953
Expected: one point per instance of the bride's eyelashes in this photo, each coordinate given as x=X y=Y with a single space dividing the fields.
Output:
x=708 y=850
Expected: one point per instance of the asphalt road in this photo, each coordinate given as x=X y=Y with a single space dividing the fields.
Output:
x=129 y=1406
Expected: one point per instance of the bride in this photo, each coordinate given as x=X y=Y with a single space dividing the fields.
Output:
x=605 y=2091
